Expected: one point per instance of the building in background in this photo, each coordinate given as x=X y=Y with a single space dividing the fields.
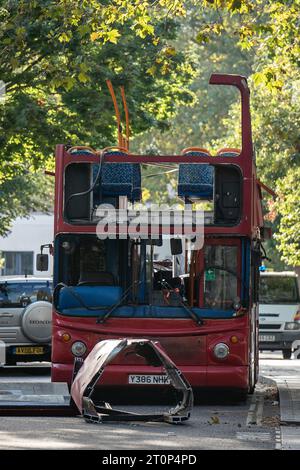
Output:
x=19 y=248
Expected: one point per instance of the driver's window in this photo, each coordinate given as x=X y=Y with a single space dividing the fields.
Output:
x=220 y=276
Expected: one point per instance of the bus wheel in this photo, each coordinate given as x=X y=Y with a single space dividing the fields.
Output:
x=287 y=353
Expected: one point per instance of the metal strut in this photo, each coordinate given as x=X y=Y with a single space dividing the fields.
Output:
x=122 y=141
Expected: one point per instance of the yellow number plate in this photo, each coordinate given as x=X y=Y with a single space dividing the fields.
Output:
x=29 y=350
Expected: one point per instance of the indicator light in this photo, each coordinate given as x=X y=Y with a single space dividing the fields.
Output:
x=234 y=339
x=66 y=337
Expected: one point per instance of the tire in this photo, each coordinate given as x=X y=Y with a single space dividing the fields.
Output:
x=287 y=353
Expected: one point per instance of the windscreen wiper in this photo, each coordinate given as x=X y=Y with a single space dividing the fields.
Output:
x=188 y=309
x=103 y=318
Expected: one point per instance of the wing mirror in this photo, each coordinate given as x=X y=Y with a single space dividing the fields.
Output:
x=42 y=262
x=176 y=246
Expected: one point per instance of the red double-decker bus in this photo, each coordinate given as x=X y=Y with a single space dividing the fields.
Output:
x=198 y=301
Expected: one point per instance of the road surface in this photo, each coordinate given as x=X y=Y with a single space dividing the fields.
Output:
x=216 y=422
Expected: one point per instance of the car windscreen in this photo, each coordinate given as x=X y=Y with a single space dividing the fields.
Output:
x=20 y=294
x=278 y=290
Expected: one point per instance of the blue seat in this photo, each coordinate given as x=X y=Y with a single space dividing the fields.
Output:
x=81 y=152
x=195 y=181
x=137 y=190
x=228 y=152
x=121 y=179
x=92 y=296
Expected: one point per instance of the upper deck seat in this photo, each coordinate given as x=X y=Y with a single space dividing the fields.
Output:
x=195 y=181
x=121 y=179
x=137 y=190
x=228 y=152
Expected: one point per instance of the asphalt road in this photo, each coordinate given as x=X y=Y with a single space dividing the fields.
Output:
x=216 y=423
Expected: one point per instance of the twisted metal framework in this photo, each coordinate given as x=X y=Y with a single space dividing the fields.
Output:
x=91 y=369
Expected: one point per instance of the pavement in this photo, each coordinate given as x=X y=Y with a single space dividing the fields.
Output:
x=286 y=375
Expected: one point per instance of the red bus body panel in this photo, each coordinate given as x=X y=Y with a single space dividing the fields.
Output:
x=189 y=346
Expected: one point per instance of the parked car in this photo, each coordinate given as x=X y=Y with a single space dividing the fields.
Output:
x=26 y=318
x=279 y=312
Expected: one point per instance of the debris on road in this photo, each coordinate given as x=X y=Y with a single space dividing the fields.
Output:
x=102 y=354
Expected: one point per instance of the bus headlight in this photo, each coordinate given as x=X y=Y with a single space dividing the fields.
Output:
x=221 y=350
x=78 y=348
x=292 y=326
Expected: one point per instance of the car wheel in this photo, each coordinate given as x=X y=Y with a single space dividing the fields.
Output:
x=287 y=353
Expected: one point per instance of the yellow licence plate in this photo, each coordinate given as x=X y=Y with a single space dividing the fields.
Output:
x=29 y=350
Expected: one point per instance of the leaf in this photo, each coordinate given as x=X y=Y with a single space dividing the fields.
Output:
x=14 y=63
x=202 y=37
x=215 y=419
x=112 y=36
x=151 y=70
x=65 y=37
x=69 y=83
x=83 y=30
x=94 y=36
x=235 y=5
x=83 y=78
x=84 y=67
x=170 y=51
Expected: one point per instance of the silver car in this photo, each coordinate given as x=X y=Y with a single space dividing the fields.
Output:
x=25 y=319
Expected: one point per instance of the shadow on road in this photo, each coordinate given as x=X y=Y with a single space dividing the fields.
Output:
x=130 y=395
x=19 y=371
x=169 y=397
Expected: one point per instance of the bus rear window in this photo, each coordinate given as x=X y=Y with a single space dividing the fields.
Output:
x=278 y=290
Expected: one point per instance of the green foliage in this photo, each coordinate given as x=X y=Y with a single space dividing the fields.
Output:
x=261 y=40
x=289 y=209
x=275 y=125
x=56 y=55
x=55 y=58
x=203 y=123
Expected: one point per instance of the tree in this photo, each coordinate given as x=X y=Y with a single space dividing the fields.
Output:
x=289 y=210
x=204 y=124
x=266 y=35
x=55 y=57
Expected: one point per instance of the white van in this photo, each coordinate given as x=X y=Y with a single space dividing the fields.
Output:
x=279 y=311
x=25 y=319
